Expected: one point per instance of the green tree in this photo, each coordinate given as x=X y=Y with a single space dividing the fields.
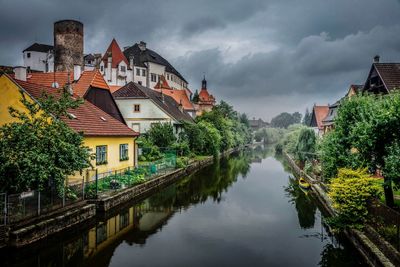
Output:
x=195 y=98
x=161 y=134
x=39 y=150
x=285 y=119
x=305 y=147
x=307 y=118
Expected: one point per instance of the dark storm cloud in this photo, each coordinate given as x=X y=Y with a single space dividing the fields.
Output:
x=254 y=53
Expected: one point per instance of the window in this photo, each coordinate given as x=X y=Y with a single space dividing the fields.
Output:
x=123 y=152
x=123 y=68
x=143 y=73
x=167 y=76
x=136 y=108
x=28 y=55
x=153 y=77
x=101 y=68
x=140 y=82
x=137 y=72
x=101 y=155
x=136 y=127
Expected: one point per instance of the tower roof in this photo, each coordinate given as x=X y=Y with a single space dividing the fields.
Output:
x=116 y=55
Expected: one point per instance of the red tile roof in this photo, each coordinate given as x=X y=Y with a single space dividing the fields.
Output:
x=90 y=120
x=320 y=112
x=47 y=78
x=116 y=54
x=162 y=84
x=179 y=96
x=89 y=79
x=205 y=97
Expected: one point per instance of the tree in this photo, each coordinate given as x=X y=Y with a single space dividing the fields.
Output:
x=38 y=150
x=307 y=118
x=195 y=98
x=305 y=148
x=161 y=134
x=285 y=119
x=365 y=135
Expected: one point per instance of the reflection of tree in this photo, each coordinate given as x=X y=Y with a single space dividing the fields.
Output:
x=209 y=182
x=332 y=256
x=305 y=207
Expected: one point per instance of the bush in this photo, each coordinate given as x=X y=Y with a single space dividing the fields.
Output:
x=161 y=134
x=182 y=162
x=305 y=147
x=350 y=192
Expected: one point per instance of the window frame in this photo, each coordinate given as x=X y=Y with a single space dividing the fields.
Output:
x=103 y=155
x=123 y=152
x=137 y=72
x=134 y=108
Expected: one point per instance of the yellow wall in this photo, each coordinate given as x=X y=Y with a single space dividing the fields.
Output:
x=10 y=95
x=113 y=162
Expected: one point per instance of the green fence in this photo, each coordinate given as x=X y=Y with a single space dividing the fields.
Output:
x=113 y=181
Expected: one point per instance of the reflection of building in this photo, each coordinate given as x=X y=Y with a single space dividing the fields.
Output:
x=133 y=225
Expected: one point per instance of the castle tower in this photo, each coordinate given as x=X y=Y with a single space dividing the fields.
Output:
x=68 y=45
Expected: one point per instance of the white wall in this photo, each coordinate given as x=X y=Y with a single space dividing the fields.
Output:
x=37 y=61
x=149 y=113
x=156 y=69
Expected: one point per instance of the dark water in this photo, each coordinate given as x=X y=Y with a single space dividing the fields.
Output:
x=242 y=211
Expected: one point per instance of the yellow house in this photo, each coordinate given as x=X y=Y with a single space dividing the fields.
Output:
x=109 y=139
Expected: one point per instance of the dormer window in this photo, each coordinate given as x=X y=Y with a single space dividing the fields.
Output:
x=123 y=68
x=28 y=55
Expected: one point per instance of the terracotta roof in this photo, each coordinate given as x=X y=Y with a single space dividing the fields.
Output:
x=114 y=88
x=168 y=105
x=320 y=113
x=390 y=74
x=89 y=79
x=116 y=55
x=204 y=96
x=162 y=84
x=179 y=96
x=47 y=78
x=90 y=120
x=39 y=48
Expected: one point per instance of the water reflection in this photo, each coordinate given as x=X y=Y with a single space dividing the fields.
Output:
x=234 y=212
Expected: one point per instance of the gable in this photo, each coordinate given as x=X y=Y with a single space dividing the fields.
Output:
x=103 y=99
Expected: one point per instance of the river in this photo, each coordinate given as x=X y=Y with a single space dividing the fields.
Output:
x=243 y=211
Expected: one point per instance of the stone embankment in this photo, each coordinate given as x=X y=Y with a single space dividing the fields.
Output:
x=374 y=249
x=44 y=226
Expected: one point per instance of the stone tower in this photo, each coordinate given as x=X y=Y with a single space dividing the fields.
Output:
x=68 y=45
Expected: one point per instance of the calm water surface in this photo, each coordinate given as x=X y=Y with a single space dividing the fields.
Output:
x=242 y=211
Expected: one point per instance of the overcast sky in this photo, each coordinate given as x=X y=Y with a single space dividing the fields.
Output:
x=264 y=57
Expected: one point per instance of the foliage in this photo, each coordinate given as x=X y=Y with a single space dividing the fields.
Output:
x=195 y=98
x=150 y=152
x=366 y=135
x=181 y=147
x=284 y=120
x=307 y=118
x=161 y=134
x=268 y=135
x=291 y=137
x=39 y=150
x=350 y=192
x=305 y=147
x=128 y=178
x=182 y=162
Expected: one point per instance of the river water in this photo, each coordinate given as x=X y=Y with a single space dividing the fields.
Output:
x=243 y=211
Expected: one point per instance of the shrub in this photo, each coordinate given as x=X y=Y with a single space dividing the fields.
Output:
x=161 y=134
x=350 y=192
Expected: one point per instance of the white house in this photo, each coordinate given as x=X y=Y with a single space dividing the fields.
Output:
x=141 y=107
x=39 y=57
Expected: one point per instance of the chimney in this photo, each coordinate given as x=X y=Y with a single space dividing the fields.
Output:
x=20 y=73
x=142 y=46
x=131 y=61
x=376 y=59
x=180 y=106
x=69 y=85
x=77 y=72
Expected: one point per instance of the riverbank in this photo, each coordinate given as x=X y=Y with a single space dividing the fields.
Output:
x=374 y=249
x=47 y=225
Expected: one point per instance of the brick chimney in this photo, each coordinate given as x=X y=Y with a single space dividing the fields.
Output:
x=20 y=73
x=77 y=72
x=376 y=59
